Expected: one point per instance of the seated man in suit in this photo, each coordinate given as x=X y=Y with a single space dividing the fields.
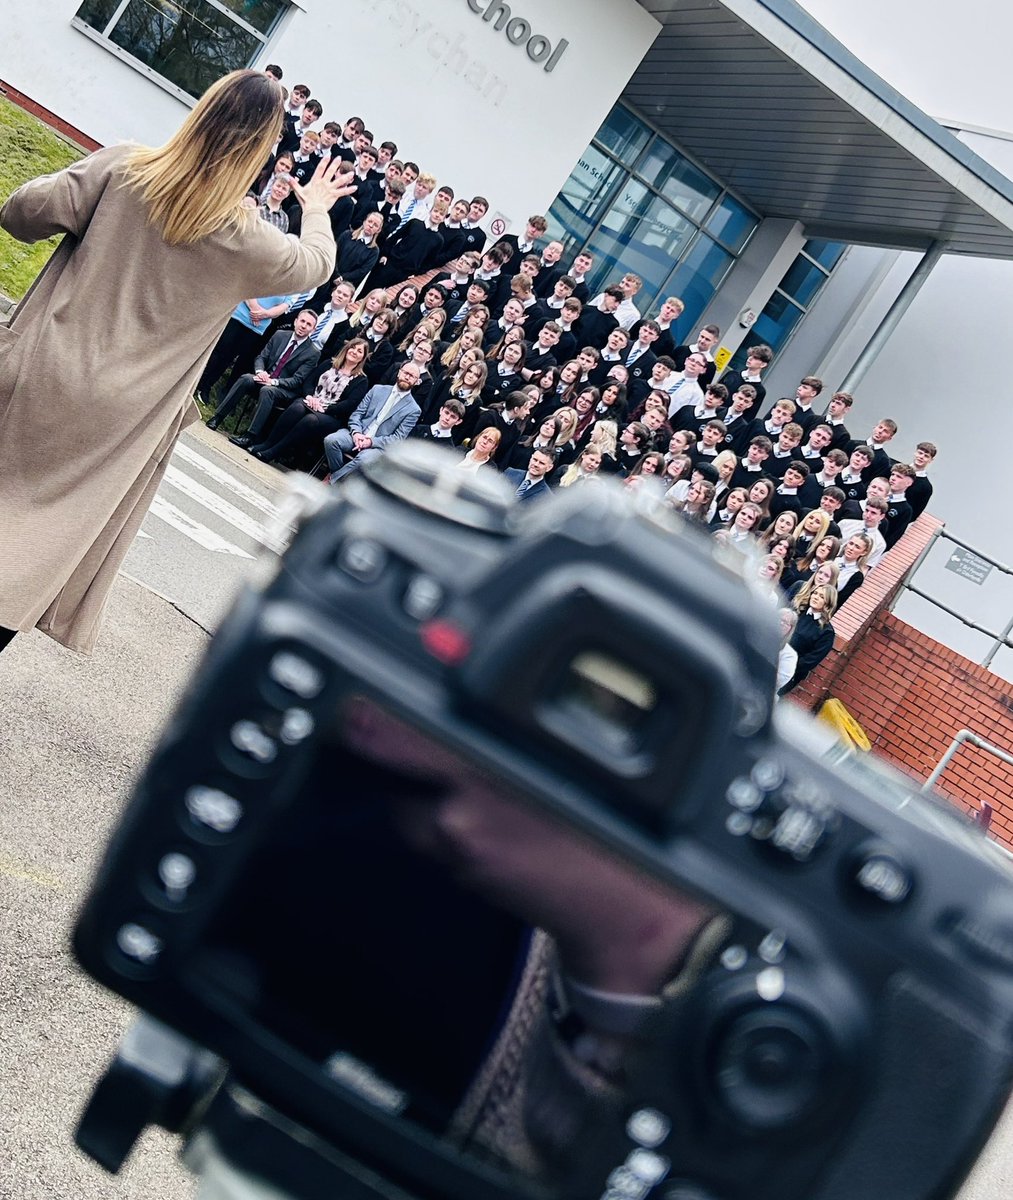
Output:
x=388 y=413
x=532 y=484
x=279 y=371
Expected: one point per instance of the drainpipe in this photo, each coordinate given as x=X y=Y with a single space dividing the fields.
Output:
x=966 y=737
x=890 y=322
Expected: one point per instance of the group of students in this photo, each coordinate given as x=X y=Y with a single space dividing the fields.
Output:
x=509 y=359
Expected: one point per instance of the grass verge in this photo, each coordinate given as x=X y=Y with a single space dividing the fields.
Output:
x=27 y=148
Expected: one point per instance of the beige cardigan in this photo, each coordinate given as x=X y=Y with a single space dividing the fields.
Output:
x=96 y=374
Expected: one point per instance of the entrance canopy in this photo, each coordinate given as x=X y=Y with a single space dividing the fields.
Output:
x=789 y=119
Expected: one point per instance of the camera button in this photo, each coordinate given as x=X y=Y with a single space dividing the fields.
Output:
x=214 y=809
x=798 y=832
x=767 y=774
x=253 y=743
x=744 y=795
x=882 y=877
x=648 y=1127
x=296 y=675
x=177 y=874
x=138 y=943
x=296 y=726
x=363 y=559
x=422 y=598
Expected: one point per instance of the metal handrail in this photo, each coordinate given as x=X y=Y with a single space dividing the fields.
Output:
x=1000 y=638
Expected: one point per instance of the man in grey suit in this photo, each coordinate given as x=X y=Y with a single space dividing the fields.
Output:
x=280 y=371
x=387 y=414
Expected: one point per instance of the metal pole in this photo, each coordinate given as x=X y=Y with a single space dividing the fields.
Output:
x=913 y=569
x=997 y=645
x=892 y=319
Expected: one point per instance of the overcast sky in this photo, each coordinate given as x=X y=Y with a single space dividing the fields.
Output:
x=953 y=61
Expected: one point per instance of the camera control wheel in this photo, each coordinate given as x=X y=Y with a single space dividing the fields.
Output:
x=771 y=1066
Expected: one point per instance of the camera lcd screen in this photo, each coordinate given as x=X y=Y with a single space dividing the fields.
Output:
x=412 y=928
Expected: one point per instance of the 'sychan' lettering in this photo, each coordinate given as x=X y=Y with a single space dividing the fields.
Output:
x=518 y=31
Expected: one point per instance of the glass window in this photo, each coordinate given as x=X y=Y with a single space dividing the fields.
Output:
x=191 y=44
x=639 y=233
x=827 y=254
x=697 y=277
x=97 y=13
x=623 y=134
x=261 y=14
x=678 y=180
x=802 y=281
x=775 y=323
x=731 y=224
x=575 y=210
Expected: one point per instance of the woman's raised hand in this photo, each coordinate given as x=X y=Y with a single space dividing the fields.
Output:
x=329 y=183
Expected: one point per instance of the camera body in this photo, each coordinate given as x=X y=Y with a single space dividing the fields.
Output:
x=849 y=1036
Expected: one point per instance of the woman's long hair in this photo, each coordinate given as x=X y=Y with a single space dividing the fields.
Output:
x=195 y=183
x=339 y=359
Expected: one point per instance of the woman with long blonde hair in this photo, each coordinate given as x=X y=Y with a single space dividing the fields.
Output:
x=467 y=339
x=149 y=231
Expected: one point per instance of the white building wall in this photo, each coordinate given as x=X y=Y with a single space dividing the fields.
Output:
x=44 y=56
x=434 y=76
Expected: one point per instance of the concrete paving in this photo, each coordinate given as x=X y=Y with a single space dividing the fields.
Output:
x=74 y=730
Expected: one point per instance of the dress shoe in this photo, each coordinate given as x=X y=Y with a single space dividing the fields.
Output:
x=213 y=423
x=241 y=439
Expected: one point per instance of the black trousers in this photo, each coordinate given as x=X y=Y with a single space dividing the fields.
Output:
x=297 y=428
x=238 y=345
x=6 y=636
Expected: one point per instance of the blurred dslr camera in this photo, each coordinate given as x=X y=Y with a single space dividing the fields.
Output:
x=477 y=862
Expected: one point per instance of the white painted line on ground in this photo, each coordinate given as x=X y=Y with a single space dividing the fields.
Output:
x=198 y=533
x=213 y=471
x=216 y=504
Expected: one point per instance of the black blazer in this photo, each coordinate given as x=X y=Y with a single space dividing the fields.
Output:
x=355 y=259
x=498 y=386
x=381 y=359
x=594 y=327
x=546 y=278
x=812 y=642
x=303 y=171
x=638 y=386
x=411 y=249
x=455 y=242
x=296 y=369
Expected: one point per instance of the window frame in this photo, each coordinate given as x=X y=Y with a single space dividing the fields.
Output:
x=102 y=38
x=630 y=174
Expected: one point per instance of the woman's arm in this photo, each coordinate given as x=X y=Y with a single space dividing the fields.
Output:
x=63 y=202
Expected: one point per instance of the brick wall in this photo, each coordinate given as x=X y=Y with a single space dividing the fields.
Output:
x=912 y=695
x=64 y=128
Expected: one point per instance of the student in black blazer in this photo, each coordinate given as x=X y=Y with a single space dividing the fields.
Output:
x=358 y=251
x=505 y=376
x=381 y=348
x=523 y=245
x=413 y=248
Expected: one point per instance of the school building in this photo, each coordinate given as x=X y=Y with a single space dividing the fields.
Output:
x=730 y=152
